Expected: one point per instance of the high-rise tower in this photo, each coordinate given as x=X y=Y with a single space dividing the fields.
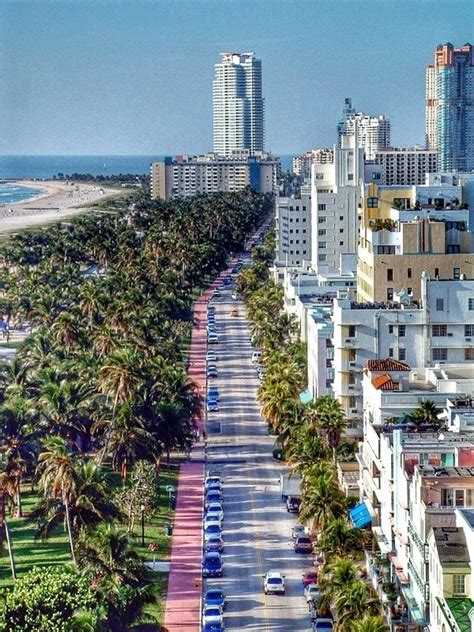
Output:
x=373 y=131
x=238 y=104
x=450 y=107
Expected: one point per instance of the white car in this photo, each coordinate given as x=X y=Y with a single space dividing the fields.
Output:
x=274 y=583
x=211 y=356
x=212 y=338
x=216 y=508
x=212 y=518
x=212 y=614
x=311 y=593
x=256 y=356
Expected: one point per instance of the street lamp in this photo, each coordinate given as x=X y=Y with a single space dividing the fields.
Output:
x=142 y=509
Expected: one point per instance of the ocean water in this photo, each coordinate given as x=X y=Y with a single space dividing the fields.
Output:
x=46 y=167
x=11 y=193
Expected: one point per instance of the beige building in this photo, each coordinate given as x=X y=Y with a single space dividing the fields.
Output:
x=184 y=176
x=404 y=166
x=404 y=232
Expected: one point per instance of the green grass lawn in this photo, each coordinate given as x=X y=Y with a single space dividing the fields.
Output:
x=29 y=551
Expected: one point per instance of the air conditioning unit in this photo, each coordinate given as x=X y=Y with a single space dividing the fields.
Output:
x=352 y=362
x=354 y=411
x=468 y=339
x=347 y=339
x=450 y=335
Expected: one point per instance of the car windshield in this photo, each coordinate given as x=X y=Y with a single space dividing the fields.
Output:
x=274 y=580
x=213 y=528
x=303 y=540
x=215 y=594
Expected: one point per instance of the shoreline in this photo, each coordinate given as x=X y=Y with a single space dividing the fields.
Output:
x=59 y=201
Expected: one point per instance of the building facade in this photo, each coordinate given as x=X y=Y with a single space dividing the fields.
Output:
x=184 y=176
x=293 y=229
x=301 y=165
x=373 y=132
x=238 y=104
x=335 y=195
x=404 y=166
x=450 y=107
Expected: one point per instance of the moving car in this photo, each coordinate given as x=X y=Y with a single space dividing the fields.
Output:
x=215 y=597
x=303 y=544
x=274 y=583
x=212 y=614
x=211 y=356
x=212 y=565
x=212 y=530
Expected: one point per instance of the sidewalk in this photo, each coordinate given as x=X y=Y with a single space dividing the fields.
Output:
x=183 y=600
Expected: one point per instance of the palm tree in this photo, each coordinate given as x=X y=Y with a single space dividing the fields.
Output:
x=120 y=376
x=305 y=448
x=327 y=413
x=340 y=539
x=426 y=413
x=58 y=478
x=322 y=501
x=370 y=623
x=353 y=602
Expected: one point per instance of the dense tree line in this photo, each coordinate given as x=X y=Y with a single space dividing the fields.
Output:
x=100 y=382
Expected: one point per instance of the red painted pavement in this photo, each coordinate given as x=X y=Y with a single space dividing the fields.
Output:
x=183 y=600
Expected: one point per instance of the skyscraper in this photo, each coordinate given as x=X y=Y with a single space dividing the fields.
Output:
x=373 y=131
x=450 y=107
x=238 y=104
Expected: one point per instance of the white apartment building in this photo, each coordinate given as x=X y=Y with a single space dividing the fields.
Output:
x=373 y=132
x=405 y=166
x=238 y=105
x=434 y=331
x=335 y=196
x=184 y=176
x=301 y=165
x=293 y=229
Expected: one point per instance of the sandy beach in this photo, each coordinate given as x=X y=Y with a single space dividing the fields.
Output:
x=60 y=200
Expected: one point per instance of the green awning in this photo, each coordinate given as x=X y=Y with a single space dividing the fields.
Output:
x=306 y=397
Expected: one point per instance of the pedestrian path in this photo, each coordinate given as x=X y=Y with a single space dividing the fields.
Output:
x=183 y=600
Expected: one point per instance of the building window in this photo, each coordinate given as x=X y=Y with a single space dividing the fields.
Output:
x=469 y=353
x=402 y=354
x=321 y=244
x=402 y=330
x=341 y=243
x=321 y=220
x=390 y=329
x=389 y=274
x=456 y=273
x=436 y=272
x=372 y=202
x=341 y=218
x=320 y=176
x=321 y=257
x=350 y=176
x=440 y=355
x=341 y=230
x=321 y=207
x=470 y=305
x=390 y=352
x=459 y=584
x=352 y=331
x=439 y=330
x=409 y=273
x=322 y=231
x=390 y=294
x=469 y=330
x=439 y=304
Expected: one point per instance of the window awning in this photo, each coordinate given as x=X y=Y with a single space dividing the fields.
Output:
x=306 y=397
x=360 y=515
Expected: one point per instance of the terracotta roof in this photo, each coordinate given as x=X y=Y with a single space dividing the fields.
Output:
x=383 y=382
x=389 y=364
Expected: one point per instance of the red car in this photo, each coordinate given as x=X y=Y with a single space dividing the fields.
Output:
x=311 y=577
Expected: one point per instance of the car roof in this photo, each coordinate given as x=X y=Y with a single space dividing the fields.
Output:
x=212 y=554
x=273 y=574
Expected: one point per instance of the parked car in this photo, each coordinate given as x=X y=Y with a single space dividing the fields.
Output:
x=256 y=356
x=214 y=597
x=212 y=530
x=212 y=565
x=211 y=356
x=297 y=530
x=323 y=624
x=212 y=338
x=213 y=392
x=303 y=544
x=216 y=508
x=215 y=497
x=213 y=627
x=216 y=293
x=211 y=309
x=311 y=593
x=293 y=504
x=212 y=406
x=212 y=478
x=274 y=583
x=212 y=518
x=215 y=543
x=212 y=614
x=310 y=577
x=212 y=371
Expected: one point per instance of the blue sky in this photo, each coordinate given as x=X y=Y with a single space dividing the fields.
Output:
x=135 y=77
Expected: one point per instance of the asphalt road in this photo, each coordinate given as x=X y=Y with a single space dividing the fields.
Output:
x=257 y=527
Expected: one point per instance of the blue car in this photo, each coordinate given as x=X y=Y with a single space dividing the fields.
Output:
x=212 y=565
x=213 y=393
x=213 y=627
x=214 y=597
x=212 y=406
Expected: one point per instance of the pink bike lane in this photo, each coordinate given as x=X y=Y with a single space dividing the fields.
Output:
x=183 y=600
